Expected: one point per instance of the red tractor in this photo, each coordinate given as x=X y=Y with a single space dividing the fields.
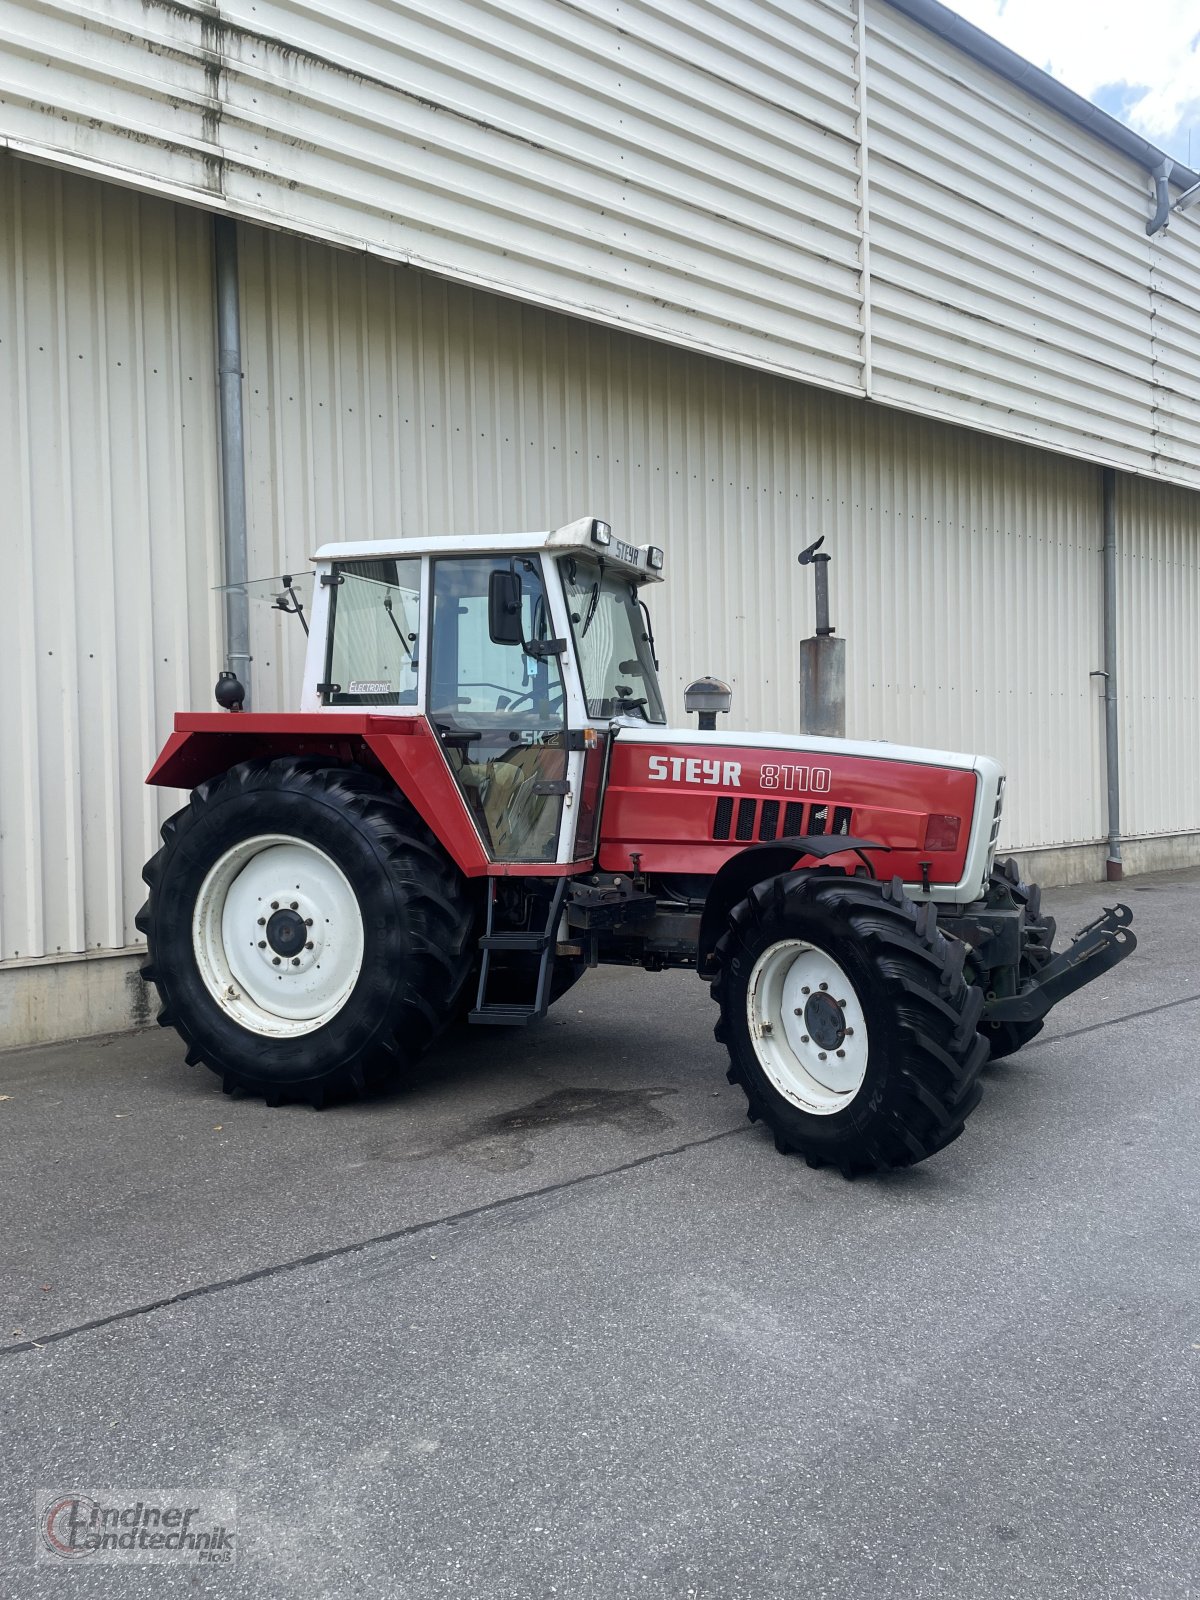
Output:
x=480 y=798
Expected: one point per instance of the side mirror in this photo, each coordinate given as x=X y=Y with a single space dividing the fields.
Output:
x=504 y=608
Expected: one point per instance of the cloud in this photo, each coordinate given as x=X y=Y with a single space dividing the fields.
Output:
x=1140 y=62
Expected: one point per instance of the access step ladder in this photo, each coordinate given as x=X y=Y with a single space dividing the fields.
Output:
x=536 y=941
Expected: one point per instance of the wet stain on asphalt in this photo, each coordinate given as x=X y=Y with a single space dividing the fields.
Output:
x=631 y=1110
x=504 y=1143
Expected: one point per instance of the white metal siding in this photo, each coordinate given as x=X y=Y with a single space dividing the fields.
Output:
x=1009 y=258
x=108 y=540
x=682 y=167
x=966 y=569
x=379 y=399
x=692 y=170
x=1176 y=324
x=1158 y=644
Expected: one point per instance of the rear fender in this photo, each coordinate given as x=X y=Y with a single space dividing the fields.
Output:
x=759 y=861
x=205 y=744
x=189 y=758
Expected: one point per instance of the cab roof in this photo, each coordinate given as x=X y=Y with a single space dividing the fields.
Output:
x=586 y=536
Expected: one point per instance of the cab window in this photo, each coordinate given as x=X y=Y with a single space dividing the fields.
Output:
x=612 y=641
x=374 y=619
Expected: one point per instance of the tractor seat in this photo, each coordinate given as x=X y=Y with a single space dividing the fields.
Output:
x=520 y=824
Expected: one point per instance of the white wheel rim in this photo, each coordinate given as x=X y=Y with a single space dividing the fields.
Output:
x=278 y=936
x=807 y=1026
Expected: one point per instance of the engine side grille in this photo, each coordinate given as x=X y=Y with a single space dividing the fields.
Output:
x=778 y=819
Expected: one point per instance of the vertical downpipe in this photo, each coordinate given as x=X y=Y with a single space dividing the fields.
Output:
x=1112 y=758
x=233 y=449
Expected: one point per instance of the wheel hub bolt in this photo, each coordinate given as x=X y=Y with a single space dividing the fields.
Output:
x=308 y=922
x=820 y=1055
x=262 y=944
x=309 y=945
x=295 y=905
x=842 y=1003
x=295 y=961
x=275 y=961
x=806 y=990
x=274 y=905
x=824 y=986
x=262 y=922
x=849 y=1031
x=841 y=1052
x=803 y=1038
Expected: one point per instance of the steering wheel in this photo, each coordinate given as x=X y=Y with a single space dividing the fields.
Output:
x=554 y=702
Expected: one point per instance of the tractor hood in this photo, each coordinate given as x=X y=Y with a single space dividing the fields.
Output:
x=685 y=801
x=811 y=744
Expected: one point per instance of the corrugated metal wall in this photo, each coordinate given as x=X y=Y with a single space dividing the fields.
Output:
x=685 y=168
x=1176 y=328
x=380 y=399
x=878 y=214
x=1009 y=259
x=1158 y=643
x=967 y=569
x=108 y=540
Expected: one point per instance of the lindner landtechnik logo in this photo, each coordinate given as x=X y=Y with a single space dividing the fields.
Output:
x=155 y=1525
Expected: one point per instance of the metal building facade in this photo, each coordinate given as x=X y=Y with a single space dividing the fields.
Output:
x=967 y=569
x=1158 y=642
x=109 y=538
x=726 y=200
x=821 y=188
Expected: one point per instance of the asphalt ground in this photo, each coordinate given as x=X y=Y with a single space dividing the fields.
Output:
x=555 y=1320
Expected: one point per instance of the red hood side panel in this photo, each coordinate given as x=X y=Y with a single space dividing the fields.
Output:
x=690 y=808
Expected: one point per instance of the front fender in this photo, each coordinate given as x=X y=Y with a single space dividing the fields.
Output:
x=758 y=861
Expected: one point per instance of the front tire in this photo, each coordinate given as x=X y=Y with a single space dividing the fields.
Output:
x=307 y=935
x=848 y=1021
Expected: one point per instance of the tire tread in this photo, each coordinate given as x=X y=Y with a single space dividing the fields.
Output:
x=923 y=1104
x=440 y=916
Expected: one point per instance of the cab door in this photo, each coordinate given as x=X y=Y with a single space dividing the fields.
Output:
x=500 y=711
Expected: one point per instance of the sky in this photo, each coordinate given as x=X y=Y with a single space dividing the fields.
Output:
x=1137 y=59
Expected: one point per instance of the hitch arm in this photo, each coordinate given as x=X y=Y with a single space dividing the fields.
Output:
x=1094 y=949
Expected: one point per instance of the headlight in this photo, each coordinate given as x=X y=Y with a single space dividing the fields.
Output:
x=601 y=532
x=654 y=558
x=942 y=831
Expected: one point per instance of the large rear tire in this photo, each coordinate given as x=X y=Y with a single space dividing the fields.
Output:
x=308 y=936
x=848 y=1021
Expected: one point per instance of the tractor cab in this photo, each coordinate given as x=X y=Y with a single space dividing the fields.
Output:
x=524 y=653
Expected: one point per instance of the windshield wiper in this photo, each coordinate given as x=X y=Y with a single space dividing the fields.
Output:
x=591 y=610
x=649 y=630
